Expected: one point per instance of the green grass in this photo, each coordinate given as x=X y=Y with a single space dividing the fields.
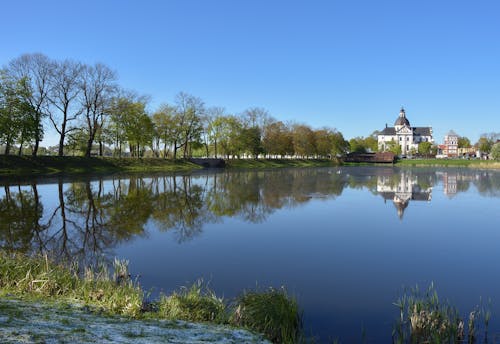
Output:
x=277 y=163
x=197 y=304
x=273 y=313
x=41 y=278
x=449 y=163
x=47 y=165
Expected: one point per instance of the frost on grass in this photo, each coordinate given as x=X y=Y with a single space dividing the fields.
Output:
x=25 y=322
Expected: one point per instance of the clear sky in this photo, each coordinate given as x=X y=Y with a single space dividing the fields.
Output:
x=346 y=64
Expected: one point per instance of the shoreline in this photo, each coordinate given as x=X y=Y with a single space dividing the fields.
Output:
x=44 y=166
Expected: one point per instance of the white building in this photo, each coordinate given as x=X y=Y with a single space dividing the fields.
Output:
x=404 y=135
x=451 y=144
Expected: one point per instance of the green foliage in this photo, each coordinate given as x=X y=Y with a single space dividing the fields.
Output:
x=197 y=303
x=304 y=142
x=484 y=145
x=424 y=148
x=273 y=313
x=17 y=121
x=495 y=151
x=394 y=147
x=363 y=145
x=463 y=142
x=277 y=139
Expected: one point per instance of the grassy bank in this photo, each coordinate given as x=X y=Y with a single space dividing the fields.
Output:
x=47 y=165
x=449 y=163
x=272 y=312
x=277 y=163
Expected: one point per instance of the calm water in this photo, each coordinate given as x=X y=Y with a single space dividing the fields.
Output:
x=345 y=241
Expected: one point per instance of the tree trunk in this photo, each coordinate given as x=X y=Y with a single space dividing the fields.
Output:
x=61 y=145
x=7 y=147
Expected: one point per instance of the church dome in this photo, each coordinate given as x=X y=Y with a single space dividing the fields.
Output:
x=402 y=120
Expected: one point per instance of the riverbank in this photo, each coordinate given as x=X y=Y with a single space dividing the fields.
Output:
x=474 y=163
x=94 y=294
x=278 y=163
x=50 y=165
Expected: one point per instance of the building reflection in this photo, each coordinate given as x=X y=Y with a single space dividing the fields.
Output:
x=401 y=187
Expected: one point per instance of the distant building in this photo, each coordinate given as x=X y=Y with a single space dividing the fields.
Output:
x=450 y=146
x=406 y=136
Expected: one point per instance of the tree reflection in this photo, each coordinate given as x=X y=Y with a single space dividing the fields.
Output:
x=86 y=219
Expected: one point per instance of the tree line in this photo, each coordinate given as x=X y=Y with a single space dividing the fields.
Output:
x=91 y=114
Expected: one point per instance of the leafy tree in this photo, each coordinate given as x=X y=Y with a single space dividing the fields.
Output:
x=424 y=148
x=250 y=140
x=36 y=70
x=303 y=140
x=130 y=123
x=484 y=145
x=323 y=142
x=339 y=145
x=371 y=143
x=357 y=145
x=164 y=122
x=229 y=135
x=495 y=151
x=214 y=121
x=188 y=118
x=394 y=147
x=277 y=139
x=463 y=142
x=16 y=114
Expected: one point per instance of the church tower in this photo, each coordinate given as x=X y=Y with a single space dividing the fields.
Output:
x=401 y=121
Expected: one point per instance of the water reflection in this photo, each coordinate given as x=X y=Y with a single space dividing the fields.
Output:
x=86 y=219
x=402 y=186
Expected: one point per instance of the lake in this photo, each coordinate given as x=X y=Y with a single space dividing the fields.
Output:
x=345 y=241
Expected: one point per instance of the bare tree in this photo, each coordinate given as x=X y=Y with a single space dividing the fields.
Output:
x=36 y=69
x=64 y=90
x=97 y=85
x=188 y=118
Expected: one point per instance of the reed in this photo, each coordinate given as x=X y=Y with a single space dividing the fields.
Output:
x=424 y=318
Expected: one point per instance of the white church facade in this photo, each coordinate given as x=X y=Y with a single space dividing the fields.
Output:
x=406 y=136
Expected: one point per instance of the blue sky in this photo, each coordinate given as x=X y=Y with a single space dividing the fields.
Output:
x=350 y=65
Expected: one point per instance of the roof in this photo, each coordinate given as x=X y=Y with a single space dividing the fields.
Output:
x=402 y=121
x=421 y=131
x=452 y=133
x=388 y=131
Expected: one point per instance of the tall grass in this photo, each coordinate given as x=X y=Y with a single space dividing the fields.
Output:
x=39 y=277
x=424 y=318
x=272 y=312
x=196 y=303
